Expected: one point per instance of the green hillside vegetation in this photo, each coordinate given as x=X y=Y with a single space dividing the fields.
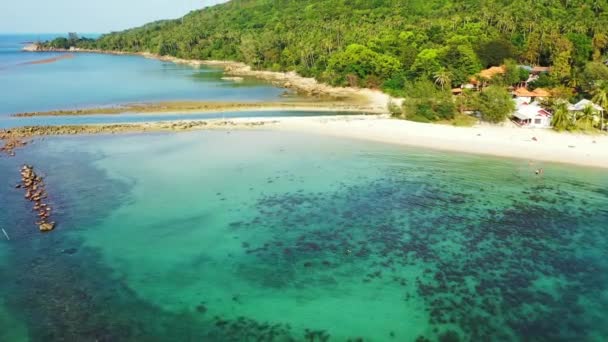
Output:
x=388 y=44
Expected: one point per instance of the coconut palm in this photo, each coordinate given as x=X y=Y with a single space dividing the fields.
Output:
x=587 y=117
x=442 y=78
x=561 y=117
x=574 y=79
x=600 y=97
x=600 y=94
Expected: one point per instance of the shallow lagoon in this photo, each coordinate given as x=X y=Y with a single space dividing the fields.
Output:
x=93 y=80
x=245 y=235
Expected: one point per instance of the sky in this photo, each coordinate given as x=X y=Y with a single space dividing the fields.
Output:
x=85 y=16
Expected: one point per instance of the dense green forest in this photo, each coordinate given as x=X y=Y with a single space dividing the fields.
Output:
x=388 y=44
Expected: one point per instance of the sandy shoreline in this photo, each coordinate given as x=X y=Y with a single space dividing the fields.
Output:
x=375 y=100
x=511 y=142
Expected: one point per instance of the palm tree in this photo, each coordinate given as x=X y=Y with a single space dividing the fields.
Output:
x=600 y=97
x=600 y=94
x=561 y=117
x=574 y=80
x=587 y=116
x=443 y=77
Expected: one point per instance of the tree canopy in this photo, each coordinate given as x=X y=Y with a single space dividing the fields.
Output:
x=388 y=44
x=495 y=104
x=380 y=42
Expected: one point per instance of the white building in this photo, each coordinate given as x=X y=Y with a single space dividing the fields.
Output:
x=531 y=115
x=582 y=104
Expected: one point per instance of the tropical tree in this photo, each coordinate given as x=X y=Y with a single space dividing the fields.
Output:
x=426 y=64
x=468 y=100
x=424 y=102
x=363 y=62
x=600 y=94
x=442 y=78
x=593 y=73
x=513 y=73
x=600 y=97
x=495 y=104
x=587 y=117
x=562 y=120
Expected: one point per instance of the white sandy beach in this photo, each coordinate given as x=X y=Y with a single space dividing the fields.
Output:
x=512 y=142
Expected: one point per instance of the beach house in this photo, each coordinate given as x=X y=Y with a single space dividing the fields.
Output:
x=584 y=103
x=531 y=115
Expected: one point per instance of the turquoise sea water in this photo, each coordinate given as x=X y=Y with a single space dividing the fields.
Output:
x=248 y=236
x=270 y=236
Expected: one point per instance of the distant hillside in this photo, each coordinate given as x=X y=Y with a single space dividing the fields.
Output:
x=382 y=43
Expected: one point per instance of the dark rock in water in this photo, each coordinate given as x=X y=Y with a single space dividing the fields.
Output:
x=449 y=336
x=201 y=308
x=221 y=323
x=308 y=264
x=70 y=251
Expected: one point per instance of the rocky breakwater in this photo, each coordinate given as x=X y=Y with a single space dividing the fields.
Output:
x=19 y=137
x=11 y=142
x=35 y=192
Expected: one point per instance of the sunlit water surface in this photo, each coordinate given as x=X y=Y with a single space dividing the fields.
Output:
x=260 y=235
x=93 y=80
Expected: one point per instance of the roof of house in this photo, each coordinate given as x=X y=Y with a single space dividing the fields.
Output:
x=523 y=92
x=530 y=111
x=526 y=67
x=540 y=92
x=473 y=81
x=541 y=69
x=580 y=105
x=492 y=71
